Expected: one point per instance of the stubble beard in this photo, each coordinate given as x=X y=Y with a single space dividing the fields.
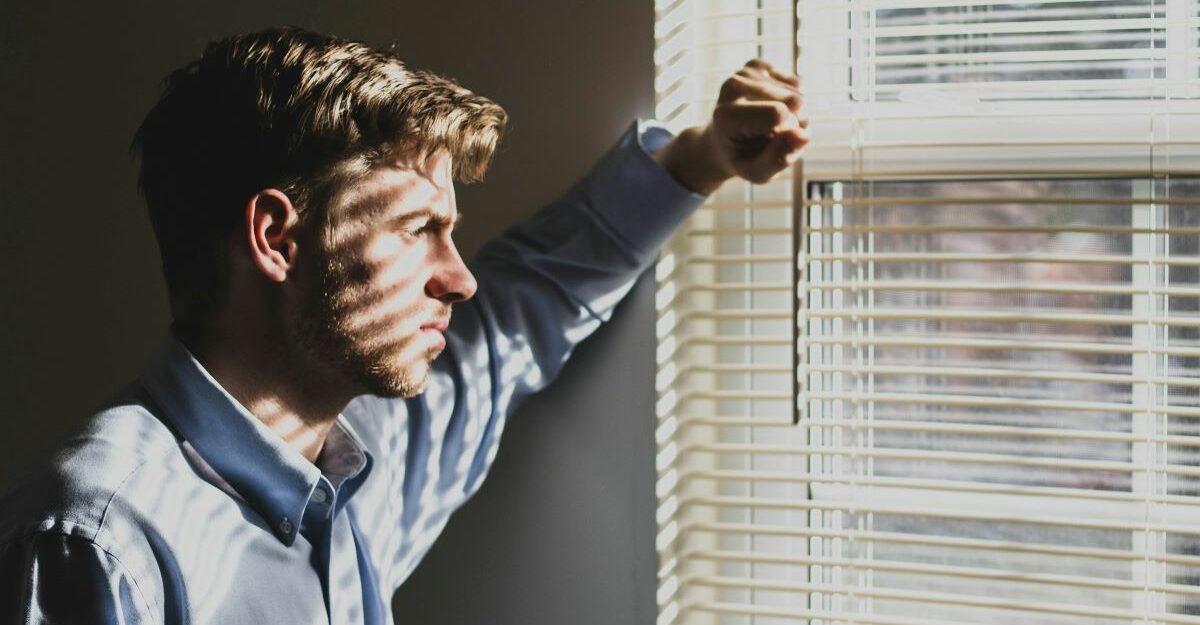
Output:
x=386 y=368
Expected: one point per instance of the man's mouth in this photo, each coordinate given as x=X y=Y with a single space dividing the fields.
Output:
x=440 y=326
x=434 y=331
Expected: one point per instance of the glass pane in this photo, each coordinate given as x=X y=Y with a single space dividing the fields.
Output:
x=1008 y=362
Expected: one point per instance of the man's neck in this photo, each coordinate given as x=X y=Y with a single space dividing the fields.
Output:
x=299 y=406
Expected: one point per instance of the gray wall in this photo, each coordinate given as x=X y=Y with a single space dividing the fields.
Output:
x=563 y=529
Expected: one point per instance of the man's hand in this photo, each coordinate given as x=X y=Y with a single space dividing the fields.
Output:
x=756 y=131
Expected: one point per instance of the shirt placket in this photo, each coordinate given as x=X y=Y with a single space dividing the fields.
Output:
x=344 y=591
x=335 y=555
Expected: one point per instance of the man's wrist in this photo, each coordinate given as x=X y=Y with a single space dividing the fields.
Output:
x=693 y=160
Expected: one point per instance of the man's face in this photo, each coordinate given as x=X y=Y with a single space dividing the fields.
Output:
x=376 y=298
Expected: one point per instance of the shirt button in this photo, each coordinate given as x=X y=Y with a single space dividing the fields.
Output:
x=320 y=496
x=285 y=526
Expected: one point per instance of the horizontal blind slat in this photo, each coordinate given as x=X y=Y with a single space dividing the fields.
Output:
x=943 y=314
x=943 y=456
x=818 y=6
x=1044 y=286
x=996 y=373
x=950 y=229
x=975 y=429
x=995 y=401
x=992 y=200
x=1094 y=347
x=948 y=570
x=933 y=540
x=918 y=510
x=940 y=257
x=806 y=614
x=974 y=488
x=942 y=598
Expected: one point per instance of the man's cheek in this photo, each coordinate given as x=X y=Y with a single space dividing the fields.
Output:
x=384 y=296
x=398 y=268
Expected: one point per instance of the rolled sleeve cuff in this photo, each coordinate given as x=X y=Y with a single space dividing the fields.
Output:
x=635 y=196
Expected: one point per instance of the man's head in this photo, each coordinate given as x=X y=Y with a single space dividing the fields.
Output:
x=318 y=174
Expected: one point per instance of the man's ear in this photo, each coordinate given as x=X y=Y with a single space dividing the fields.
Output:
x=271 y=225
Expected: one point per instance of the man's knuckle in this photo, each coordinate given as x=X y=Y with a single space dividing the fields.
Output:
x=780 y=112
x=733 y=87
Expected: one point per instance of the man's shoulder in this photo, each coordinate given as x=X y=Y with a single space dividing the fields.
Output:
x=102 y=465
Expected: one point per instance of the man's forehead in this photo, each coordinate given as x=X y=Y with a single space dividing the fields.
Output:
x=406 y=184
x=435 y=166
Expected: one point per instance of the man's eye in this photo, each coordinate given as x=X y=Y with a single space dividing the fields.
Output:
x=415 y=230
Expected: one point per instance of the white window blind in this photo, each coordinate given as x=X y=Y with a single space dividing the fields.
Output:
x=946 y=371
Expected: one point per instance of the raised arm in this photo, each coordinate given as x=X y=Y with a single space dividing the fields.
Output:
x=547 y=284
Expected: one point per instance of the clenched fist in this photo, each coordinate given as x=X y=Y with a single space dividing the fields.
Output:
x=756 y=131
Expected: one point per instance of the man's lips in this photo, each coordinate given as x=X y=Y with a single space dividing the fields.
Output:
x=440 y=325
x=433 y=330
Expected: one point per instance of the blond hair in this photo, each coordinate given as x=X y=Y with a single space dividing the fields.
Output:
x=293 y=110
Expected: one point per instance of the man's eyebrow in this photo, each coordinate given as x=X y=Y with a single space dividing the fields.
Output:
x=429 y=214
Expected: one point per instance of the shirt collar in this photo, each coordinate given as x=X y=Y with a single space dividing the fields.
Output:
x=344 y=460
x=270 y=476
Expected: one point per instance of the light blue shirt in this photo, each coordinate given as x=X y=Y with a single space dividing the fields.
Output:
x=175 y=505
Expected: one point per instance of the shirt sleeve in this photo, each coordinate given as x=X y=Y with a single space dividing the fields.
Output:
x=53 y=578
x=548 y=283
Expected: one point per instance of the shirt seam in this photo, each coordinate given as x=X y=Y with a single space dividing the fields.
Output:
x=162 y=454
x=133 y=580
x=100 y=526
x=32 y=537
x=116 y=491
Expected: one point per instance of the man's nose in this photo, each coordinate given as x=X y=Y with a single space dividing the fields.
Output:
x=451 y=281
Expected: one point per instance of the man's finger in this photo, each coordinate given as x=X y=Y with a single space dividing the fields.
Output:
x=760 y=63
x=791 y=80
x=796 y=140
x=762 y=69
x=780 y=152
x=740 y=87
x=750 y=119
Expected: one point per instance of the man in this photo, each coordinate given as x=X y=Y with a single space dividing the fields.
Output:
x=297 y=444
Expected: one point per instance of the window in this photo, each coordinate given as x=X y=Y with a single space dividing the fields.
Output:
x=947 y=371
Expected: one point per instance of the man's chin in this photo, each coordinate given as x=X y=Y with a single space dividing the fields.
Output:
x=401 y=382
x=393 y=388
